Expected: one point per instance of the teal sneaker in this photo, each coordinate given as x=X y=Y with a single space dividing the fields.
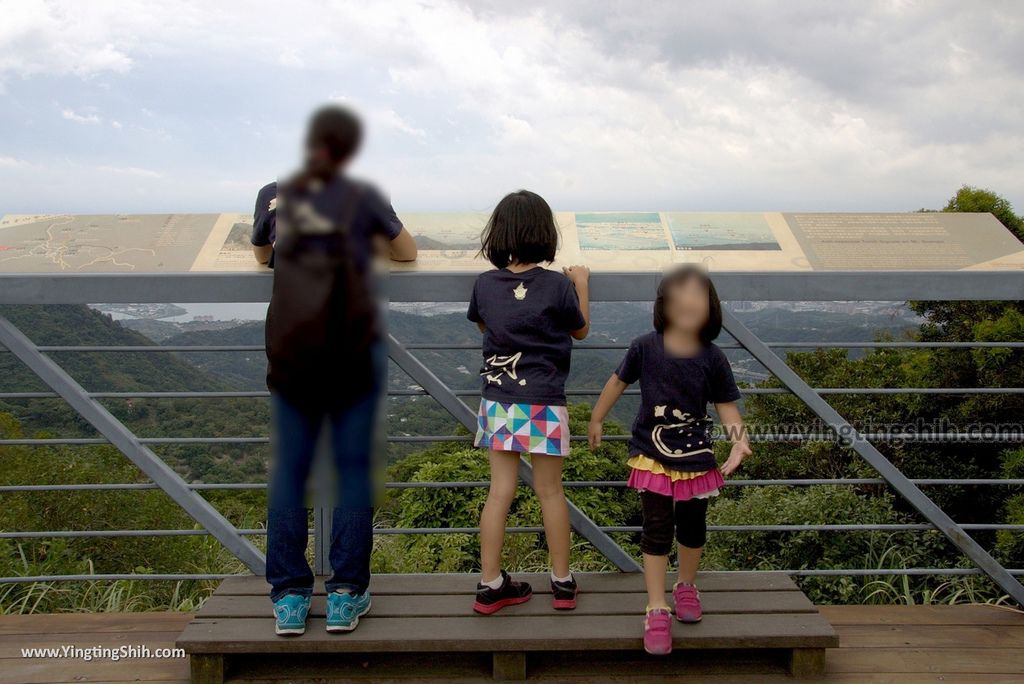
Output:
x=345 y=609
x=291 y=611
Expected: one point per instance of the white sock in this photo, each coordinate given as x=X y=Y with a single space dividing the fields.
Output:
x=556 y=578
x=495 y=583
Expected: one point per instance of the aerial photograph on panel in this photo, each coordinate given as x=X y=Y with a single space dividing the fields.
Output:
x=621 y=231
x=721 y=231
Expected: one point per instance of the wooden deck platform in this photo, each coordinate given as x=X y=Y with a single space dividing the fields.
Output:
x=905 y=644
x=425 y=615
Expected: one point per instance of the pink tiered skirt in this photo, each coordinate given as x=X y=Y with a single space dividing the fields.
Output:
x=646 y=475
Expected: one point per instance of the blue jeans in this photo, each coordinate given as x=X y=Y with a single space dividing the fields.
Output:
x=295 y=435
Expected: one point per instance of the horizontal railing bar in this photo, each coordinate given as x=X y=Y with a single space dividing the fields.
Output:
x=441 y=346
x=940 y=438
x=868 y=572
x=836 y=527
x=775 y=345
x=92 y=348
x=128 y=486
x=797 y=482
x=831 y=572
x=73 y=534
x=414 y=286
x=259 y=394
x=825 y=527
x=116 y=577
x=570 y=484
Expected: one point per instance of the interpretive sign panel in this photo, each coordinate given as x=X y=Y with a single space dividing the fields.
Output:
x=637 y=241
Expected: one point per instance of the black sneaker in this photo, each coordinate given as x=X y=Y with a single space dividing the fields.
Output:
x=563 y=594
x=510 y=593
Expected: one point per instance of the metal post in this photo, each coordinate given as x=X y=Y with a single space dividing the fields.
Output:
x=436 y=388
x=128 y=444
x=896 y=479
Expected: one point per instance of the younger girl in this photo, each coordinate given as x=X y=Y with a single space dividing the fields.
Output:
x=528 y=316
x=672 y=460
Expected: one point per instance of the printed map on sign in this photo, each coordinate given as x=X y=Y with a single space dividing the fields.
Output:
x=102 y=243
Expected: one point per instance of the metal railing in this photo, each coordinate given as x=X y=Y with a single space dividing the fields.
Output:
x=422 y=287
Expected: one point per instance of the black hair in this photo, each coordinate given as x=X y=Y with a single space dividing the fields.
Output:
x=680 y=276
x=521 y=229
x=333 y=137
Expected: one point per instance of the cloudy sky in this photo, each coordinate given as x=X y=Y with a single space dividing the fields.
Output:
x=191 y=106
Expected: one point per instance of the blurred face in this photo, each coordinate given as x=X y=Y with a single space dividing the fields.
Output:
x=686 y=306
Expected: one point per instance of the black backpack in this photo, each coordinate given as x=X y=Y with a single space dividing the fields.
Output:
x=322 y=318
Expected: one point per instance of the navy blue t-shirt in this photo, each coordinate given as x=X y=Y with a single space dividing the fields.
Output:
x=527 y=344
x=375 y=215
x=264 y=217
x=673 y=426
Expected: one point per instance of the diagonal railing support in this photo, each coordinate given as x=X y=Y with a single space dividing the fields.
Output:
x=128 y=444
x=876 y=459
x=437 y=389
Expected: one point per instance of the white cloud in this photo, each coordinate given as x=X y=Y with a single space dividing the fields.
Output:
x=130 y=171
x=84 y=39
x=389 y=118
x=86 y=118
x=12 y=162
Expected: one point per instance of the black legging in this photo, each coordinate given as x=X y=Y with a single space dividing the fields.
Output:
x=689 y=518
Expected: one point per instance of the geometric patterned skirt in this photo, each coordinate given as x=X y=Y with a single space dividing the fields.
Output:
x=525 y=428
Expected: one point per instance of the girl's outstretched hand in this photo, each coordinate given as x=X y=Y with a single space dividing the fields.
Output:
x=740 y=450
x=594 y=431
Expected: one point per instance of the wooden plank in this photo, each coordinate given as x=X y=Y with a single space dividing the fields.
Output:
x=590 y=582
x=931 y=636
x=519 y=633
x=50 y=670
x=751 y=665
x=459 y=605
x=11 y=645
x=509 y=665
x=973 y=614
x=935 y=660
x=49 y=623
x=345 y=667
x=915 y=677
x=807 y=662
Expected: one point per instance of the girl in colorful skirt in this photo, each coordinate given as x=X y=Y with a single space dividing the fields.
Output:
x=529 y=316
x=671 y=456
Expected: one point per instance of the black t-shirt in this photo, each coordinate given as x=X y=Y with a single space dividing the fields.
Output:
x=527 y=344
x=375 y=215
x=672 y=426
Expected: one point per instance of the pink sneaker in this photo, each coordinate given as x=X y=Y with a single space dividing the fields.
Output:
x=658 y=632
x=687 y=603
